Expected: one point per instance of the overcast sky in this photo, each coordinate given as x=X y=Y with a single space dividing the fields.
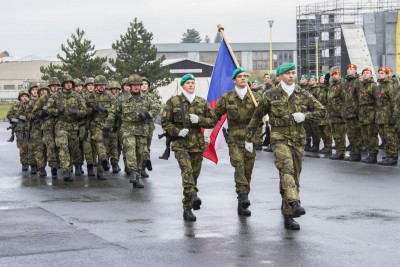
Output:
x=39 y=27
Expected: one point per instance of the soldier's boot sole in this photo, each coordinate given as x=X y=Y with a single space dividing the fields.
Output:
x=243 y=212
x=291 y=224
x=138 y=184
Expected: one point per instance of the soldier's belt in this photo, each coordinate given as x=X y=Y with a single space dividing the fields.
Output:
x=281 y=129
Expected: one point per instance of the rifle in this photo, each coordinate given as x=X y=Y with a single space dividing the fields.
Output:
x=182 y=112
x=225 y=133
x=13 y=125
x=267 y=134
x=168 y=141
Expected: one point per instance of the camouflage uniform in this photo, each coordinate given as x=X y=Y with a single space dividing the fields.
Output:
x=351 y=88
x=67 y=108
x=122 y=97
x=287 y=137
x=323 y=125
x=239 y=112
x=189 y=149
x=85 y=137
x=366 y=116
x=337 y=116
x=387 y=115
x=313 y=126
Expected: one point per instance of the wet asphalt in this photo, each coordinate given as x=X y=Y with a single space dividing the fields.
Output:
x=353 y=216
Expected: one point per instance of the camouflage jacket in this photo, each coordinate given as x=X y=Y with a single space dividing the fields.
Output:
x=129 y=111
x=60 y=106
x=313 y=90
x=351 y=88
x=336 y=103
x=366 y=102
x=47 y=124
x=268 y=86
x=304 y=86
x=156 y=103
x=239 y=113
x=322 y=97
x=387 y=109
x=97 y=101
x=13 y=113
x=280 y=107
x=173 y=122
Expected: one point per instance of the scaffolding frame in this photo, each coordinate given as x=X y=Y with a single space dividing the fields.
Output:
x=323 y=21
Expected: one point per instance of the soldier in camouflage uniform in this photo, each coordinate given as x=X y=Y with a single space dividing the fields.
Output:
x=387 y=115
x=323 y=125
x=135 y=112
x=268 y=83
x=88 y=148
x=48 y=124
x=351 y=88
x=303 y=83
x=182 y=118
x=78 y=88
x=122 y=97
x=366 y=115
x=67 y=107
x=14 y=116
x=239 y=107
x=337 y=114
x=258 y=91
x=313 y=126
x=99 y=105
x=113 y=150
x=156 y=101
x=288 y=107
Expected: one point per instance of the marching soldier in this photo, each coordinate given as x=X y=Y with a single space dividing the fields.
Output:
x=88 y=148
x=268 y=83
x=113 y=150
x=182 y=118
x=239 y=107
x=78 y=88
x=313 y=126
x=288 y=107
x=323 y=125
x=67 y=107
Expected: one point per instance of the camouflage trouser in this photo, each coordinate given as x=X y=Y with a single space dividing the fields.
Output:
x=23 y=149
x=149 y=139
x=190 y=165
x=389 y=133
x=67 y=142
x=258 y=135
x=312 y=131
x=101 y=144
x=121 y=147
x=112 y=149
x=38 y=151
x=134 y=148
x=326 y=135
x=353 y=132
x=370 y=139
x=307 y=128
x=51 y=150
x=243 y=162
x=339 y=135
x=288 y=160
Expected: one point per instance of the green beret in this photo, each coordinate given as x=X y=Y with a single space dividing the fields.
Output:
x=255 y=81
x=236 y=72
x=285 y=67
x=304 y=76
x=186 y=77
x=322 y=74
x=313 y=77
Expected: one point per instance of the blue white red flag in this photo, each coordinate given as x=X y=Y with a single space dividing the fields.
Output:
x=221 y=82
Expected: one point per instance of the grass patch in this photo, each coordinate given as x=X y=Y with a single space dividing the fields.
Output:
x=4 y=107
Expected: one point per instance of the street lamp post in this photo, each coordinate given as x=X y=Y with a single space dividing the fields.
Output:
x=316 y=56
x=270 y=22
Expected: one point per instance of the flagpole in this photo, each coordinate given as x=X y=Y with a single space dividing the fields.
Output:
x=221 y=30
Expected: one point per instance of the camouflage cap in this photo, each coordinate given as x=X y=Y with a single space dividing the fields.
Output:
x=32 y=85
x=114 y=85
x=100 y=79
x=147 y=80
x=67 y=78
x=135 y=79
x=78 y=81
x=89 y=80
x=54 y=81
x=124 y=82
x=21 y=93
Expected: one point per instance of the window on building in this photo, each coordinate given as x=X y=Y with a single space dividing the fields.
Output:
x=208 y=57
x=338 y=51
x=325 y=53
x=338 y=33
x=324 y=19
x=325 y=36
x=9 y=87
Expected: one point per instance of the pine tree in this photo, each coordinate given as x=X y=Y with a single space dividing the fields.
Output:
x=136 y=54
x=79 y=60
x=191 y=36
x=218 y=38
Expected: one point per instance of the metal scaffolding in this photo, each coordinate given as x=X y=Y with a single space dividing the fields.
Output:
x=321 y=23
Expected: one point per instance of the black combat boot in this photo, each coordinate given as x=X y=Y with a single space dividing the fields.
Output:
x=90 y=169
x=326 y=150
x=148 y=165
x=371 y=159
x=81 y=168
x=138 y=183
x=297 y=210
x=144 y=174
x=353 y=157
x=259 y=147
x=132 y=177
x=42 y=172
x=100 y=176
x=105 y=164
x=67 y=176
x=166 y=154
x=244 y=201
x=337 y=157
x=348 y=148
x=291 y=224
x=188 y=215
x=268 y=149
x=314 y=148
x=115 y=168
x=25 y=168
x=33 y=169
x=307 y=147
x=54 y=174
x=243 y=211
x=388 y=161
x=196 y=201
x=78 y=170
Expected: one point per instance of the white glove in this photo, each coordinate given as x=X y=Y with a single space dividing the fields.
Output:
x=207 y=139
x=194 y=118
x=299 y=117
x=248 y=146
x=183 y=132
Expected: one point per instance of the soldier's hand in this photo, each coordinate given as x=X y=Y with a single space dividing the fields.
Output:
x=72 y=112
x=248 y=146
x=194 y=118
x=299 y=117
x=183 y=132
x=207 y=139
x=45 y=107
x=144 y=115
x=22 y=117
x=106 y=133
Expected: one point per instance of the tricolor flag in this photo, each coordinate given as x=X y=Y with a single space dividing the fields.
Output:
x=221 y=82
